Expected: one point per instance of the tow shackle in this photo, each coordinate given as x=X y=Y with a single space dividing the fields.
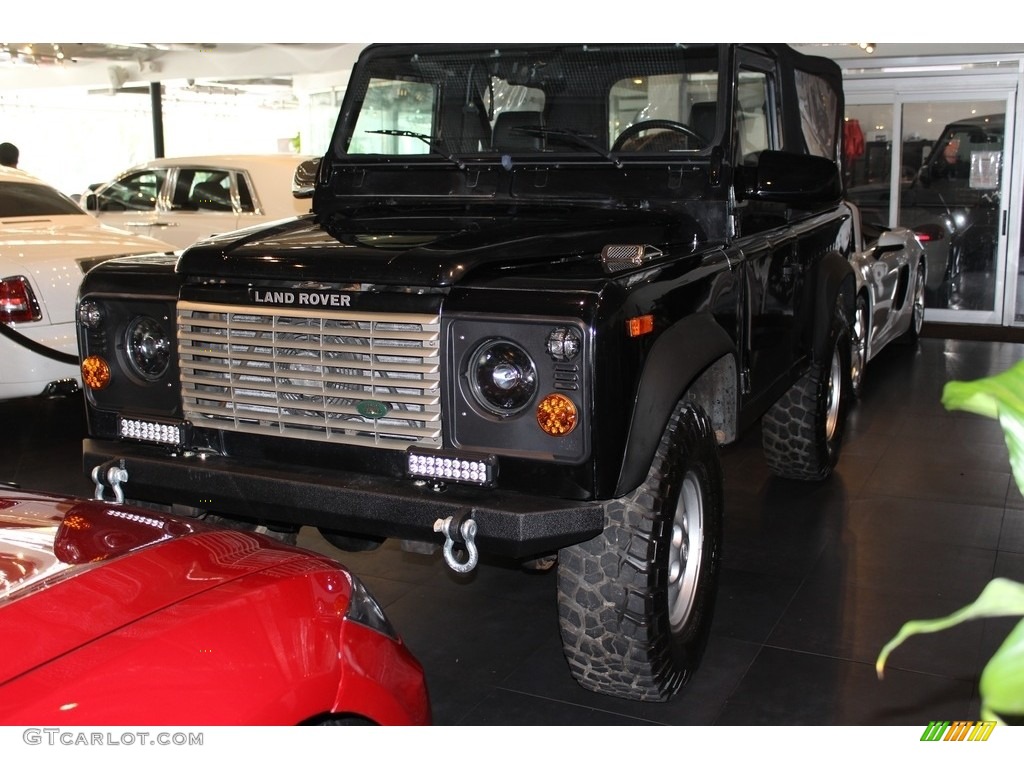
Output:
x=459 y=529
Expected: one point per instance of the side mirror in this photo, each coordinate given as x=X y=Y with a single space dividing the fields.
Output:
x=90 y=202
x=800 y=181
x=890 y=241
x=304 y=181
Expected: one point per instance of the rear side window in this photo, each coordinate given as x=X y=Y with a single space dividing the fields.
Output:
x=819 y=107
x=202 y=189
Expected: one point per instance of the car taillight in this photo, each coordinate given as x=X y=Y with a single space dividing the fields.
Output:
x=17 y=301
x=928 y=233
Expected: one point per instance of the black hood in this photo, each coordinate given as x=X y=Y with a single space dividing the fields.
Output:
x=411 y=247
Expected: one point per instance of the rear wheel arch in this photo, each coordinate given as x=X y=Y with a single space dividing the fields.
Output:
x=802 y=431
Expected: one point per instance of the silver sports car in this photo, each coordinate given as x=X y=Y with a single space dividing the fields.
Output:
x=891 y=276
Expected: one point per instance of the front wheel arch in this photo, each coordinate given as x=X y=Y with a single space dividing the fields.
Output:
x=695 y=358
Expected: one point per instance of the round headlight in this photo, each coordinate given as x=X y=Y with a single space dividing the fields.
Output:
x=502 y=377
x=148 y=348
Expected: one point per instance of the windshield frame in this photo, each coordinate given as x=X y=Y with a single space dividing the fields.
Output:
x=548 y=79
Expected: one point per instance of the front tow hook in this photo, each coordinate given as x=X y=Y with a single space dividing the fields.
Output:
x=459 y=529
x=113 y=475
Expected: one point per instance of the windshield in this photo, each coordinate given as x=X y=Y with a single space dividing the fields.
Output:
x=487 y=101
x=19 y=198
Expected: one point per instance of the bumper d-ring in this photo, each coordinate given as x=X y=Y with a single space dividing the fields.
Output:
x=113 y=477
x=462 y=533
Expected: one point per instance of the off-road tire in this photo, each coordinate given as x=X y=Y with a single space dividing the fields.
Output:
x=801 y=433
x=635 y=603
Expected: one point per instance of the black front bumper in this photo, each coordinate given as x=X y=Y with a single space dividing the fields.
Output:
x=508 y=523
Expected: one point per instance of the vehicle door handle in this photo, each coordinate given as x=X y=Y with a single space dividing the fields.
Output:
x=164 y=224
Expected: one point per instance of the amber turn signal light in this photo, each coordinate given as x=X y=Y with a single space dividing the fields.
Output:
x=95 y=372
x=640 y=326
x=556 y=415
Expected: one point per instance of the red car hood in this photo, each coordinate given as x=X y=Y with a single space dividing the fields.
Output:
x=73 y=571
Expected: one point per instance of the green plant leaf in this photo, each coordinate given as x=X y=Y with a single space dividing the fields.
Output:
x=1013 y=431
x=1000 y=597
x=999 y=397
x=986 y=396
x=1002 y=680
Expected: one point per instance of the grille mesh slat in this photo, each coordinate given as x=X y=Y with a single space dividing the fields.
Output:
x=276 y=371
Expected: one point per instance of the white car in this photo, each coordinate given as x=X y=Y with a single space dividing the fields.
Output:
x=891 y=277
x=184 y=199
x=47 y=243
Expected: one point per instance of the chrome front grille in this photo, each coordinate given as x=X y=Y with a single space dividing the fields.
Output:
x=357 y=378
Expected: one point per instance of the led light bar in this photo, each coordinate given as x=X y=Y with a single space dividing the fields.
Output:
x=452 y=468
x=151 y=431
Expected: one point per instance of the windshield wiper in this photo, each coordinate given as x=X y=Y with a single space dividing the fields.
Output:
x=428 y=140
x=567 y=136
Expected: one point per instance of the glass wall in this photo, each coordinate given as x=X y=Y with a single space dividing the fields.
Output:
x=72 y=138
x=931 y=153
x=944 y=183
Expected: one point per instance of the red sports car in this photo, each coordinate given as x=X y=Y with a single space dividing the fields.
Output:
x=114 y=615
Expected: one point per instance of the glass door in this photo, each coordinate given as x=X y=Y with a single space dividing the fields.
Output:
x=936 y=160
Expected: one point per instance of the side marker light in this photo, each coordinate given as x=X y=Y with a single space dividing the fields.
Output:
x=640 y=326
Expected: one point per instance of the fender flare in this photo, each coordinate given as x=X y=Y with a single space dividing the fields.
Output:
x=834 y=278
x=676 y=359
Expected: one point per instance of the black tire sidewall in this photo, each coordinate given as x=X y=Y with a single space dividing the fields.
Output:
x=613 y=590
x=689 y=641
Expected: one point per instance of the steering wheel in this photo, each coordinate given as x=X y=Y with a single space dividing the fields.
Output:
x=654 y=125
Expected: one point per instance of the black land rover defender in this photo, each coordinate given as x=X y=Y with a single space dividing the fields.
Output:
x=539 y=286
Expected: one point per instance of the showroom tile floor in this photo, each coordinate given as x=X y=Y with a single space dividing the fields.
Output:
x=920 y=514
